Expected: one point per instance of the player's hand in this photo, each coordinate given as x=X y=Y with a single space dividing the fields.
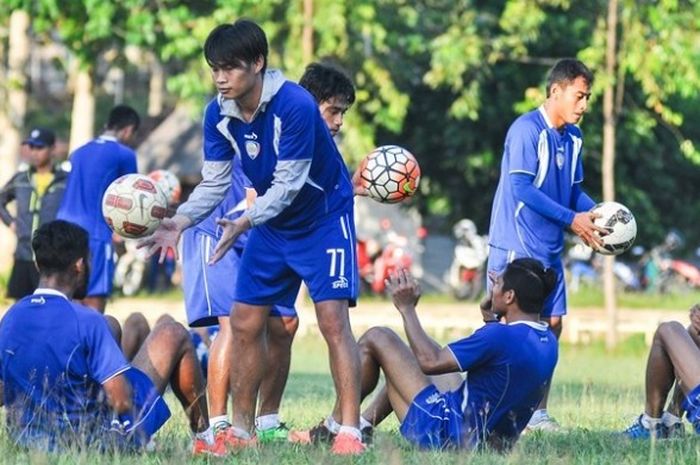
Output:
x=165 y=237
x=404 y=289
x=231 y=230
x=695 y=318
x=588 y=231
x=357 y=187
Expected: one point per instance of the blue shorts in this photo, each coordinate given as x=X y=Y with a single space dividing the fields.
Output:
x=434 y=420
x=150 y=413
x=210 y=290
x=555 y=304
x=275 y=262
x=101 y=268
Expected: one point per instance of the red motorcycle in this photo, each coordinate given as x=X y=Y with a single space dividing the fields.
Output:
x=376 y=263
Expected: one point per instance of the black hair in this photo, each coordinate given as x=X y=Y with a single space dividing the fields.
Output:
x=531 y=281
x=237 y=44
x=57 y=245
x=325 y=81
x=565 y=71
x=122 y=116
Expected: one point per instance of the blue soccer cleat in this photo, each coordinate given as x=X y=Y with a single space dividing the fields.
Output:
x=637 y=430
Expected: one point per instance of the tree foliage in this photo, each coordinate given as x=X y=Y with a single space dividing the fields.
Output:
x=445 y=78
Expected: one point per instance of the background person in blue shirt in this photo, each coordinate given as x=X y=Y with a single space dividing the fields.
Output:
x=508 y=366
x=63 y=378
x=302 y=221
x=94 y=166
x=539 y=193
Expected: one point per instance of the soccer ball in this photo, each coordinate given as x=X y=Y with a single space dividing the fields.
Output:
x=622 y=227
x=168 y=183
x=390 y=174
x=134 y=205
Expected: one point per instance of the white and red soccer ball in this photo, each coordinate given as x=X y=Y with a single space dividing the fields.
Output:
x=390 y=174
x=168 y=183
x=134 y=205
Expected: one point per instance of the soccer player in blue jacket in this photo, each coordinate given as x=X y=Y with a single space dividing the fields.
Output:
x=302 y=221
x=539 y=192
x=63 y=379
x=94 y=166
x=508 y=366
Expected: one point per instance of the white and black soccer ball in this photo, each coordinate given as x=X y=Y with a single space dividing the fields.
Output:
x=619 y=221
x=134 y=205
x=390 y=174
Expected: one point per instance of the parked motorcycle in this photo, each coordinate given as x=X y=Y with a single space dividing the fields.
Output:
x=465 y=276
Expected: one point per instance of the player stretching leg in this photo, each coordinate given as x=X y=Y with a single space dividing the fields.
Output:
x=302 y=222
x=508 y=365
x=539 y=193
x=209 y=295
x=96 y=399
x=94 y=166
x=674 y=358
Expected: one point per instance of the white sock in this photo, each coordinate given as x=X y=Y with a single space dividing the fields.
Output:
x=264 y=422
x=649 y=422
x=538 y=415
x=350 y=430
x=207 y=435
x=240 y=433
x=213 y=421
x=670 y=419
x=332 y=425
x=365 y=424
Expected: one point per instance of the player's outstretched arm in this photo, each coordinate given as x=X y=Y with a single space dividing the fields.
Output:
x=432 y=358
x=165 y=236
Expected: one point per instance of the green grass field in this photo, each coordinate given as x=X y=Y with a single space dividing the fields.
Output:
x=595 y=394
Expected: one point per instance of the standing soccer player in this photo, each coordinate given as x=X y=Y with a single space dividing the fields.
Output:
x=539 y=192
x=94 y=166
x=302 y=222
x=210 y=293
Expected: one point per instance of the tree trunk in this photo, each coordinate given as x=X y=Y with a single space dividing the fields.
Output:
x=83 y=112
x=13 y=112
x=608 y=171
x=155 y=88
x=307 y=35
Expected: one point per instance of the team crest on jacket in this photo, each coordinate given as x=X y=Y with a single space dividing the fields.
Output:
x=560 y=159
x=252 y=148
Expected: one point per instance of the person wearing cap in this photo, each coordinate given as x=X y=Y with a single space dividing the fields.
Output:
x=37 y=189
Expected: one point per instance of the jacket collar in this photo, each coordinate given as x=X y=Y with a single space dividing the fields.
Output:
x=272 y=82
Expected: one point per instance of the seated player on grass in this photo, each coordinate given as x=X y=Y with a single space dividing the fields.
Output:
x=674 y=357
x=63 y=378
x=508 y=365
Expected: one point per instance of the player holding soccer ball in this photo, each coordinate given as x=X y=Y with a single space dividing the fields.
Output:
x=302 y=222
x=539 y=193
x=94 y=166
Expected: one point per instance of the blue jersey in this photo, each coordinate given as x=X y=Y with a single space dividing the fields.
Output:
x=508 y=368
x=230 y=208
x=94 y=166
x=287 y=130
x=535 y=148
x=55 y=355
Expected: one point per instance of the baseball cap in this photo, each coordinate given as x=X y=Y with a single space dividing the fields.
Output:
x=40 y=137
